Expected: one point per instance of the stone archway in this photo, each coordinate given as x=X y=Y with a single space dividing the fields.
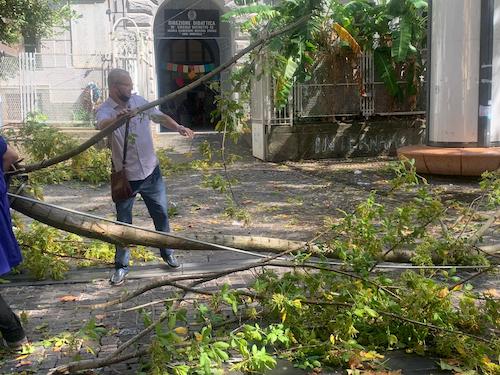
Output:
x=189 y=41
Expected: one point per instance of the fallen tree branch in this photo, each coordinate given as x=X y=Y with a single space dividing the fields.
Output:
x=161 y=281
x=342 y=304
x=152 y=303
x=479 y=273
x=347 y=274
x=114 y=358
x=122 y=234
x=481 y=231
x=203 y=278
x=186 y=289
x=87 y=364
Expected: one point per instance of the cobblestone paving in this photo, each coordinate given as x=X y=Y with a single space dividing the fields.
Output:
x=286 y=201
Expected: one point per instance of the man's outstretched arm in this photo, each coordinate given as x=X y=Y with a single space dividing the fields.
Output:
x=171 y=124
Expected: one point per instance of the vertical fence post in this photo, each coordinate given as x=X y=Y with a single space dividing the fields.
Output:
x=21 y=85
x=367 y=100
x=27 y=84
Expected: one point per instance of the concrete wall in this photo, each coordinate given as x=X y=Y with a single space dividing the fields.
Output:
x=331 y=140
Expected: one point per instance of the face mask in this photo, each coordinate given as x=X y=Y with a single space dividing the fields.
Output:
x=123 y=98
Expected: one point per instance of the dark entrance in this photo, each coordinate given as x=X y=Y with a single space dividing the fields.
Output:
x=180 y=62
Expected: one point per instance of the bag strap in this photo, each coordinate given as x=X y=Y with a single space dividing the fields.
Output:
x=125 y=143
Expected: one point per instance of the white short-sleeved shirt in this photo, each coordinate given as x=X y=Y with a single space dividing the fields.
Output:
x=141 y=158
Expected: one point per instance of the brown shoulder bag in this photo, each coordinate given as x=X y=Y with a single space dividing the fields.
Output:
x=120 y=187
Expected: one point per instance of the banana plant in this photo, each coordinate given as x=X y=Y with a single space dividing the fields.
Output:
x=394 y=30
x=288 y=58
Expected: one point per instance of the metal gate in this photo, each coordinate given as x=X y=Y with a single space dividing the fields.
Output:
x=128 y=50
x=64 y=87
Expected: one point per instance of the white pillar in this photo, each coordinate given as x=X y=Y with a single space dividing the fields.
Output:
x=454 y=81
x=495 y=117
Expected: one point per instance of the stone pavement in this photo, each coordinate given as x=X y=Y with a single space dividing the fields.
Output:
x=51 y=308
x=285 y=201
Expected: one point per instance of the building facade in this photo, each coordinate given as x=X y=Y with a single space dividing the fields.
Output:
x=164 y=45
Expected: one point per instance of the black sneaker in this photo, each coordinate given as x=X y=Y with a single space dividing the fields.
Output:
x=118 y=277
x=171 y=260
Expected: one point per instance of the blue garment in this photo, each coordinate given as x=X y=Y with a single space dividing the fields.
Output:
x=154 y=193
x=10 y=254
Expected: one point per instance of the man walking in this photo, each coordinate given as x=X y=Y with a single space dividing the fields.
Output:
x=141 y=165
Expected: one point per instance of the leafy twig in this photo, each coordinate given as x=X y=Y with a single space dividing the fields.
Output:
x=481 y=231
x=402 y=239
x=73 y=367
x=479 y=273
x=399 y=317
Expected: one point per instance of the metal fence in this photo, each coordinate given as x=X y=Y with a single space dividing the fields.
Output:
x=64 y=87
x=351 y=98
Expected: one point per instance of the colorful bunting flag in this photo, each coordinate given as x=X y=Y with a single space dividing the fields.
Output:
x=181 y=68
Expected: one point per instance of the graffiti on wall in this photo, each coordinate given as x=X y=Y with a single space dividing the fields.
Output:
x=368 y=144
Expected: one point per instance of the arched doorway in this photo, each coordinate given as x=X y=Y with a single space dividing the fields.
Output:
x=193 y=108
x=188 y=36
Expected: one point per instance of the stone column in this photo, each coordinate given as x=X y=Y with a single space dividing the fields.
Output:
x=461 y=82
x=463 y=111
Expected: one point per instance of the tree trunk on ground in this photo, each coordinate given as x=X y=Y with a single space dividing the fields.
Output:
x=124 y=234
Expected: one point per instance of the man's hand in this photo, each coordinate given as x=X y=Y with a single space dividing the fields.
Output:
x=186 y=132
x=171 y=124
x=9 y=157
x=126 y=112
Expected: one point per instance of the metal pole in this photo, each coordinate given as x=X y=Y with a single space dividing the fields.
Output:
x=485 y=72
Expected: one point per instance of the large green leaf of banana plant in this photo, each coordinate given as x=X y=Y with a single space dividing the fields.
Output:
x=401 y=40
x=384 y=67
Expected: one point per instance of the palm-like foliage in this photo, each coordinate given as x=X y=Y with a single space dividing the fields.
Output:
x=393 y=30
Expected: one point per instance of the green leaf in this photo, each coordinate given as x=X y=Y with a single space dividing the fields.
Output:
x=181 y=370
x=359 y=312
x=371 y=312
x=221 y=354
x=284 y=81
x=205 y=363
x=419 y=3
x=387 y=73
x=251 y=9
x=206 y=333
x=401 y=39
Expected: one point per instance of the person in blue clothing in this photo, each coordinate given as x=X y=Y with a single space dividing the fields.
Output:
x=10 y=254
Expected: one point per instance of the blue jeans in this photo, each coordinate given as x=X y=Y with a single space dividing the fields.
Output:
x=154 y=193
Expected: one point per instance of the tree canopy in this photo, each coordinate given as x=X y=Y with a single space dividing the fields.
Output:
x=31 y=19
x=394 y=30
